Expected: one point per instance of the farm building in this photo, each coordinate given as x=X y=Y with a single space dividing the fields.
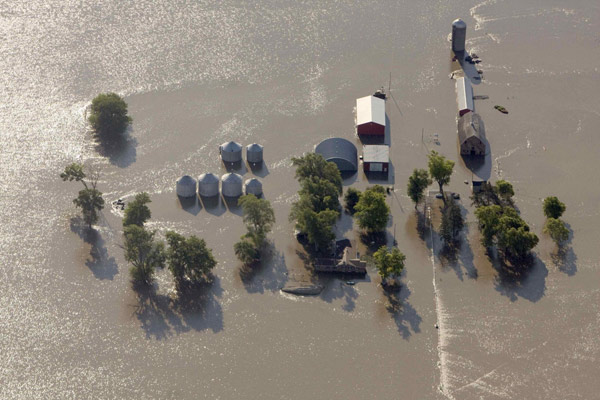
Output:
x=231 y=152
x=376 y=158
x=464 y=96
x=339 y=151
x=186 y=186
x=471 y=135
x=208 y=185
x=370 y=116
x=254 y=153
x=231 y=185
x=459 y=35
x=253 y=186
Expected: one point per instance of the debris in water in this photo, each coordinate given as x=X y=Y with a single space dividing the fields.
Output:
x=501 y=109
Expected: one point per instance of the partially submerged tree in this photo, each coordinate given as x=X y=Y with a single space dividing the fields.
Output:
x=137 y=211
x=553 y=208
x=90 y=199
x=189 y=259
x=108 y=115
x=389 y=264
x=246 y=251
x=440 y=170
x=557 y=230
x=505 y=190
x=350 y=199
x=452 y=222
x=143 y=252
x=417 y=183
x=313 y=165
x=372 y=211
x=258 y=217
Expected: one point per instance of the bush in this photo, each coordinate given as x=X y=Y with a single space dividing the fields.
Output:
x=553 y=208
x=557 y=230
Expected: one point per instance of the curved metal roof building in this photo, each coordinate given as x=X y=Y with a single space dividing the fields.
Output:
x=340 y=151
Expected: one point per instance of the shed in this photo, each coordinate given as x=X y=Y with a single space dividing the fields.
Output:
x=370 y=116
x=231 y=152
x=253 y=186
x=254 y=153
x=231 y=185
x=471 y=135
x=464 y=96
x=208 y=185
x=376 y=158
x=340 y=151
x=186 y=186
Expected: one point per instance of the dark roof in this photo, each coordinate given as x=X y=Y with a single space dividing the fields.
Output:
x=470 y=125
x=340 y=151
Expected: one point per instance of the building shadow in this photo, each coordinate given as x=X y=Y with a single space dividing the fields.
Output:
x=259 y=169
x=102 y=265
x=270 y=274
x=397 y=304
x=189 y=204
x=239 y=167
x=469 y=70
x=120 y=150
x=381 y=178
x=349 y=177
x=231 y=204
x=525 y=279
x=213 y=205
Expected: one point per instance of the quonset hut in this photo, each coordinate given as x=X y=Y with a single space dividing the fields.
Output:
x=254 y=153
x=208 y=185
x=370 y=116
x=471 y=135
x=339 y=151
x=231 y=152
x=186 y=186
x=253 y=186
x=231 y=185
x=459 y=35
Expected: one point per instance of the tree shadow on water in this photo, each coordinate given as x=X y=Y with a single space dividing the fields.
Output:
x=525 y=278
x=99 y=262
x=406 y=318
x=564 y=257
x=269 y=274
x=336 y=289
x=120 y=150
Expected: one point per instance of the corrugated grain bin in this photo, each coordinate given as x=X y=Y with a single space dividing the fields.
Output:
x=254 y=153
x=459 y=35
x=186 y=186
x=231 y=152
x=231 y=185
x=208 y=185
x=253 y=186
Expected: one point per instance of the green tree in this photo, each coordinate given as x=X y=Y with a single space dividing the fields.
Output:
x=189 y=259
x=417 y=183
x=90 y=199
x=314 y=165
x=372 y=212
x=389 y=264
x=143 y=252
x=440 y=170
x=516 y=241
x=246 y=251
x=350 y=199
x=258 y=217
x=108 y=115
x=557 y=230
x=488 y=217
x=317 y=226
x=322 y=194
x=452 y=222
x=137 y=212
x=553 y=208
x=505 y=190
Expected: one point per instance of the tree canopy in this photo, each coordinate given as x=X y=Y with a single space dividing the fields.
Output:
x=137 y=212
x=417 y=183
x=440 y=169
x=313 y=165
x=389 y=264
x=246 y=251
x=553 y=208
x=372 y=211
x=189 y=259
x=452 y=222
x=258 y=217
x=557 y=230
x=89 y=199
x=350 y=199
x=108 y=114
x=504 y=190
x=143 y=252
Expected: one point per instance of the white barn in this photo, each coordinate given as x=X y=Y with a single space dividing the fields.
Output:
x=464 y=96
x=370 y=116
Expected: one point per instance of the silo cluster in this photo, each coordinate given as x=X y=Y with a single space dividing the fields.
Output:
x=459 y=35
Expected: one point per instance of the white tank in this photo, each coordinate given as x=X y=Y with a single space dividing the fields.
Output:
x=231 y=185
x=254 y=153
x=459 y=35
x=186 y=186
x=208 y=185
x=231 y=152
x=253 y=186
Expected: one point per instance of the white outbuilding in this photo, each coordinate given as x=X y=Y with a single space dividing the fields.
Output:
x=231 y=185
x=254 y=153
x=208 y=185
x=464 y=96
x=253 y=186
x=186 y=186
x=231 y=152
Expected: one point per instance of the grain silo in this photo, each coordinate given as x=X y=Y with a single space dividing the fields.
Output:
x=231 y=185
x=253 y=186
x=254 y=153
x=231 y=152
x=186 y=186
x=208 y=185
x=459 y=35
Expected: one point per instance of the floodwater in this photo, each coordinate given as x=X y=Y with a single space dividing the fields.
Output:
x=286 y=74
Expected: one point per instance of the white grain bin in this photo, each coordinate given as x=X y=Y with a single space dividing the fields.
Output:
x=253 y=186
x=186 y=186
x=208 y=185
x=231 y=185
x=254 y=153
x=459 y=35
x=231 y=152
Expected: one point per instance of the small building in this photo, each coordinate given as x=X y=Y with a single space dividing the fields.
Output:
x=186 y=186
x=471 y=135
x=370 y=116
x=208 y=185
x=459 y=35
x=376 y=158
x=464 y=96
x=340 y=151
x=231 y=185
x=231 y=152
x=253 y=186
x=254 y=153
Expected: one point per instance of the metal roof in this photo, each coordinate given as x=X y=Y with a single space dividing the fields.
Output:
x=254 y=147
x=208 y=178
x=464 y=94
x=376 y=153
x=470 y=125
x=340 y=151
x=370 y=109
x=231 y=147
